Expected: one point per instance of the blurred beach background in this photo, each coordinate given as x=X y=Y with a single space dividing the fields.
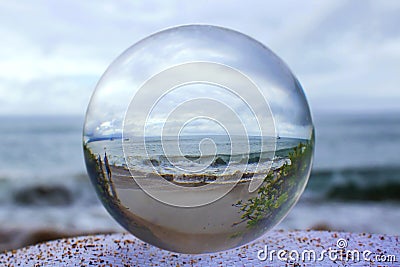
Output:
x=346 y=54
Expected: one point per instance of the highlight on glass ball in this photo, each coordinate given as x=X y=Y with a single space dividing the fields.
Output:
x=198 y=139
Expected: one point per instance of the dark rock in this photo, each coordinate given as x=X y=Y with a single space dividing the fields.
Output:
x=168 y=177
x=218 y=162
x=155 y=162
x=55 y=195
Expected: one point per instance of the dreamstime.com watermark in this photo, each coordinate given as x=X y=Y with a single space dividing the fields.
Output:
x=339 y=253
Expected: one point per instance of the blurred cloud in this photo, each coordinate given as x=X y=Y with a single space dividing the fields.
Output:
x=346 y=54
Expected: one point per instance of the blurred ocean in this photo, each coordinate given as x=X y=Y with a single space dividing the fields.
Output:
x=355 y=183
x=43 y=180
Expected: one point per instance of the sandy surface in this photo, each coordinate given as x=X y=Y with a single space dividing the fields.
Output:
x=126 y=250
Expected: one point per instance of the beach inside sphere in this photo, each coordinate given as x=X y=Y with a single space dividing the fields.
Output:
x=238 y=217
x=252 y=154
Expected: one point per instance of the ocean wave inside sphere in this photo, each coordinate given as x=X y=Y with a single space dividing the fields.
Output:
x=198 y=139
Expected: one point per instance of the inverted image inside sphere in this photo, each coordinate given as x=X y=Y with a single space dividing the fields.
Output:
x=198 y=139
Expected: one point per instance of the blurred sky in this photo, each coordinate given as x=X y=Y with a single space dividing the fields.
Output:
x=346 y=54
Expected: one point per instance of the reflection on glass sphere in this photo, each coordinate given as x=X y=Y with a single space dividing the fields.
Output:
x=198 y=139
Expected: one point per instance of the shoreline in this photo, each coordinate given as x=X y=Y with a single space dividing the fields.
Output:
x=190 y=180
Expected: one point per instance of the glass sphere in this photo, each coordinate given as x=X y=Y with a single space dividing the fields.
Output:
x=198 y=139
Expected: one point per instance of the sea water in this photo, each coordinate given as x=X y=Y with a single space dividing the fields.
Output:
x=353 y=152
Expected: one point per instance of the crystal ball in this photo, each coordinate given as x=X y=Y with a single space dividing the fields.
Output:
x=198 y=139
